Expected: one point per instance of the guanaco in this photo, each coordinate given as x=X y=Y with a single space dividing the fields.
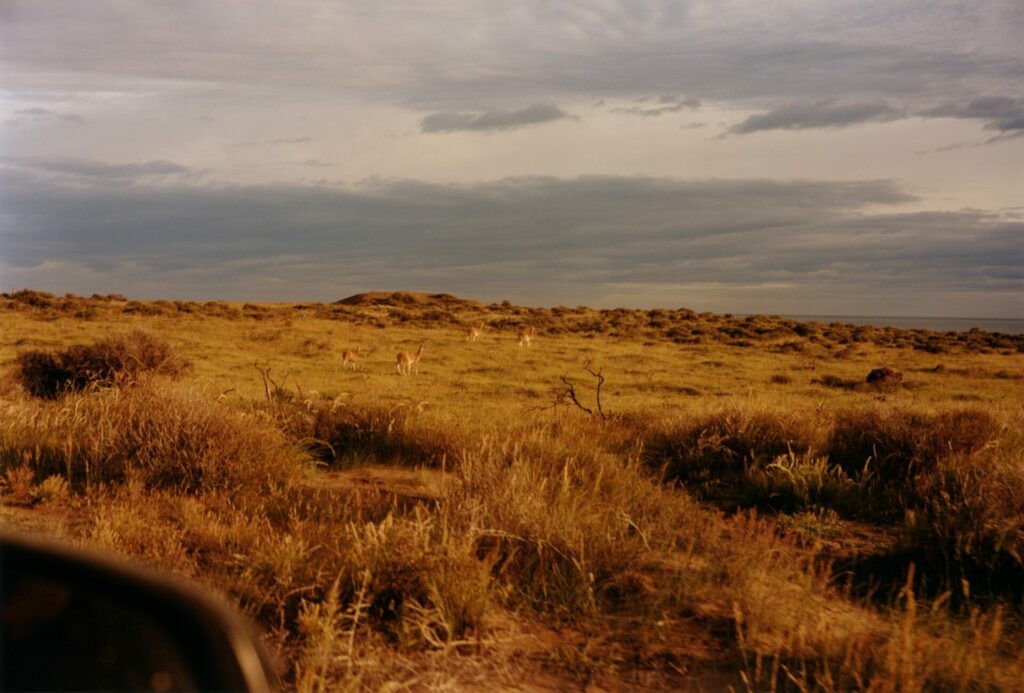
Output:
x=350 y=357
x=525 y=335
x=408 y=362
x=473 y=332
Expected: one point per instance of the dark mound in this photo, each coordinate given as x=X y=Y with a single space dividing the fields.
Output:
x=407 y=298
x=885 y=378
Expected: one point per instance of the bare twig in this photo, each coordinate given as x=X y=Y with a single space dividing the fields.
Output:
x=266 y=380
x=567 y=395
x=600 y=381
x=278 y=390
x=570 y=394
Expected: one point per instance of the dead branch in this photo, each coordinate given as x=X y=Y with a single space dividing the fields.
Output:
x=266 y=380
x=570 y=394
x=278 y=390
x=600 y=381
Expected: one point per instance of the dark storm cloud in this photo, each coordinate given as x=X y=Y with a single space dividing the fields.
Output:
x=538 y=238
x=534 y=114
x=819 y=114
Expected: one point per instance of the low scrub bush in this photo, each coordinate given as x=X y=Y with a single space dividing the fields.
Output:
x=720 y=446
x=966 y=523
x=28 y=297
x=336 y=432
x=897 y=445
x=114 y=361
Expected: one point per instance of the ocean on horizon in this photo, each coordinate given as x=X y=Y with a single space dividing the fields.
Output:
x=1001 y=325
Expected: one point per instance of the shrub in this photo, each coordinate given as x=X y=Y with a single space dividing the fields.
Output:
x=400 y=435
x=902 y=444
x=118 y=360
x=36 y=299
x=967 y=523
x=720 y=445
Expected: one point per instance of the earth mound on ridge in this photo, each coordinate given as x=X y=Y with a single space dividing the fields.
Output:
x=400 y=298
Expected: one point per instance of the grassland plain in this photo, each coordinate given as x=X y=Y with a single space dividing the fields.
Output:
x=739 y=509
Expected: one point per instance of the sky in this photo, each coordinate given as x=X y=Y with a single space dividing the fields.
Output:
x=827 y=157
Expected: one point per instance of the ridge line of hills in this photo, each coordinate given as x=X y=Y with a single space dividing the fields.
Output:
x=420 y=309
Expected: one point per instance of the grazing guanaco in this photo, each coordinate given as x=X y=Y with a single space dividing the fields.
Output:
x=473 y=332
x=407 y=361
x=350 y=357
x=525 y=335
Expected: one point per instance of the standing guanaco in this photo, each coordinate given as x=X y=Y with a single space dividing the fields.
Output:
x=473 y=332
x=525 y=335
x=350 y=357
x=407 y=361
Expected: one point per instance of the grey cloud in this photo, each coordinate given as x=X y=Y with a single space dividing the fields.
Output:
x=38 y=113
x=1002 y=113
x=281 y=141
x=88 y=170
x=534 y=114
x=536 y=239
x=826 y=113
x=664 y=104
x=915 y=57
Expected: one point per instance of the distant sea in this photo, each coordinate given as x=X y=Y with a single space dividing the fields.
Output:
x=1003 y=325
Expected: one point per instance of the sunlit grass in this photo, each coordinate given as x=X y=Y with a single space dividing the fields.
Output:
x=471 y=524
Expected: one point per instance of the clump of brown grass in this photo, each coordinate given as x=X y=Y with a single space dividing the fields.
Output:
x=719 y=445
x=337 y=432
x=565 y=525
x=172 y=437
x=898 y=444
x=114 y=361
x=915 y=647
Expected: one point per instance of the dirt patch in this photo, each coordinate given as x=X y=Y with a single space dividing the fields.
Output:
x=406 y=486
x=46 y=519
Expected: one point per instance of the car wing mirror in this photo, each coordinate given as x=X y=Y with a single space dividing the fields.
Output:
x=76 y=620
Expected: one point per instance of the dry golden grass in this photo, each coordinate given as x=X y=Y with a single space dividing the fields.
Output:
x=740 y=509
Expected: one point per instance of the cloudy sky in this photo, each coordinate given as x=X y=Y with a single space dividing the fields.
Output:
x=845 y=157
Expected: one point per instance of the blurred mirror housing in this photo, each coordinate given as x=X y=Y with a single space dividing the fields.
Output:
x=76 y=620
